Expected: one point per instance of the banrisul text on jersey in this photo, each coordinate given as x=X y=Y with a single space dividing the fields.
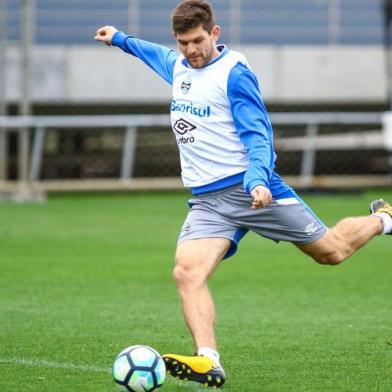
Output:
x=189 y=107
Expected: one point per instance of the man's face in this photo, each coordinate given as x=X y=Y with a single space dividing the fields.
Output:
x=198 y=47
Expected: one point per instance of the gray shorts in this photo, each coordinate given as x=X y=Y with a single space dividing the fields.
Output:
x=228 y=214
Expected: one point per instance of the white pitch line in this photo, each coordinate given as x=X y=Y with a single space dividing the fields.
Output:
x=55 y=365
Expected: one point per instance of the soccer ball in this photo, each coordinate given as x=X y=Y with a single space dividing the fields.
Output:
x=139 y=369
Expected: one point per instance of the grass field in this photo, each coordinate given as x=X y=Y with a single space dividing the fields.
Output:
x=82 y=277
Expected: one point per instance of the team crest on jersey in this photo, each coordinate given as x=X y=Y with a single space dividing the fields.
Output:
x=186 y=85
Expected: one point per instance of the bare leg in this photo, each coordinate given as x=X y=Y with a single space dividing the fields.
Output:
x=195 y=262
x=340 y=242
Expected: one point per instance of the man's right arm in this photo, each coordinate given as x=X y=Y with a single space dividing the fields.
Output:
x=157 y=57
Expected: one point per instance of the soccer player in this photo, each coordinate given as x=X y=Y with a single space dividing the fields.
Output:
x=225 y=140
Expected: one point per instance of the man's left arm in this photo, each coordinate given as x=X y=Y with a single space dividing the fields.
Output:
x=255 y=131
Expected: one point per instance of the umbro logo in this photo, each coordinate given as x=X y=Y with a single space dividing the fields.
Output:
x=186 y=227
x=182 y=126
x=310 y=228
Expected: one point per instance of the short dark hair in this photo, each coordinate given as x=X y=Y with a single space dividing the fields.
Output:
x=192 y=13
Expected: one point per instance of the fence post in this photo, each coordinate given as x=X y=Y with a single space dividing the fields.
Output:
x=128 y=153
x=36 y=156
x=308 y=157
x=3 y=154
x=235 y=22
x=387 y=136
x=134 y=17
x=334 y=22
x=3 y=98
x=27 y=41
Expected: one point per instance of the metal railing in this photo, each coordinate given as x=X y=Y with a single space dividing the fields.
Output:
x=243 y=21
x=308 y=144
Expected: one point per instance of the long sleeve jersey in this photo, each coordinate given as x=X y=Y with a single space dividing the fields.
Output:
x=221 y=125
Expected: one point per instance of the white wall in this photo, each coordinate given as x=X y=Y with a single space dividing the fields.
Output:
x=286 y=74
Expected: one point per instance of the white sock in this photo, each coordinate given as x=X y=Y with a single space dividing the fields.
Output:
x=386 y=220
x=209 y=353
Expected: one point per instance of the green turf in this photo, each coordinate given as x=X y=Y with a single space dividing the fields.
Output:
x=82 y=277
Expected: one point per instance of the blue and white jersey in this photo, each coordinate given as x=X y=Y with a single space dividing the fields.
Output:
x=218 y=117
x=210 y=149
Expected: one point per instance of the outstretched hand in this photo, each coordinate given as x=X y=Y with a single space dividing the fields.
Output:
x=105 y=34
x=261 y=196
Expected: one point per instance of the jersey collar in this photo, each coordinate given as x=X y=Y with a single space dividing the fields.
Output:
x=223 y=52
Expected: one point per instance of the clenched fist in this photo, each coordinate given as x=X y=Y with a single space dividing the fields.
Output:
x=105 y=34
x=261 y=196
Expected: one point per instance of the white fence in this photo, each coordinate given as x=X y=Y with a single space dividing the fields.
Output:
x=30 y=159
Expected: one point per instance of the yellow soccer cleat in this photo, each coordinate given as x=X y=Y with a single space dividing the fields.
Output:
x=378 y=206
x=195 y=368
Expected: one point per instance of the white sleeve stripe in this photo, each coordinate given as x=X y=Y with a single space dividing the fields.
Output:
x=288 y=201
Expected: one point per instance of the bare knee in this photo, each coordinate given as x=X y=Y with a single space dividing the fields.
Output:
x=186 y=275
x=329 y=258
x=181 y=275
x=196 y=260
